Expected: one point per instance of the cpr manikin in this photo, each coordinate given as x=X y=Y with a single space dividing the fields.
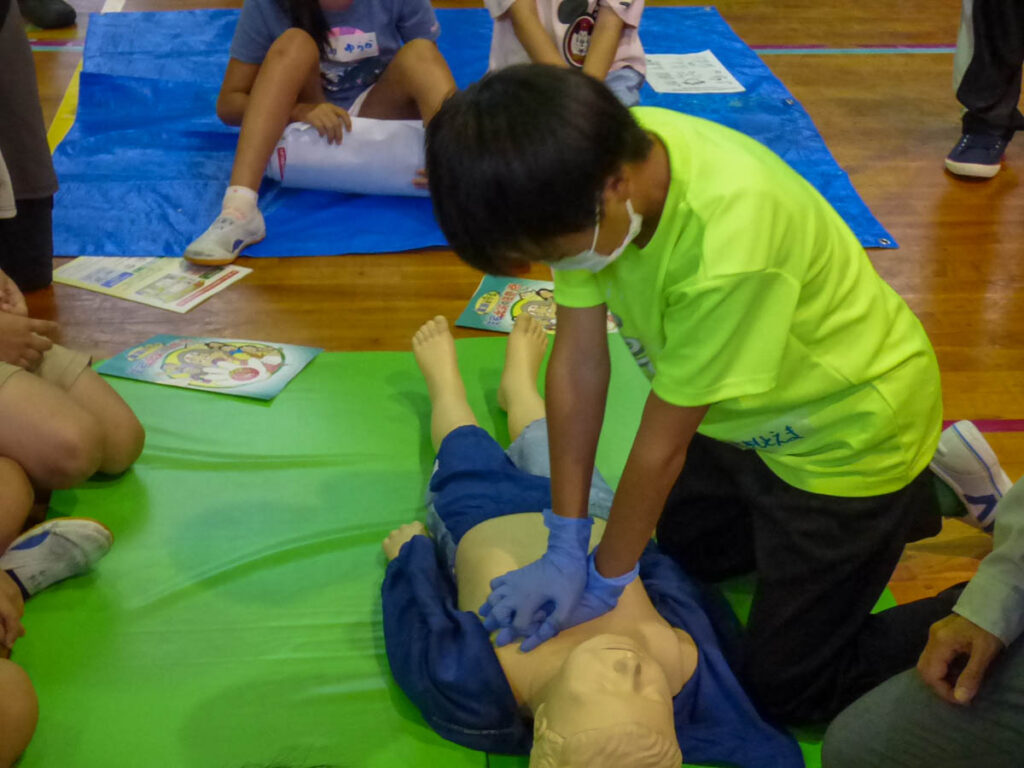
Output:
x=609 y=692
x=600 y=693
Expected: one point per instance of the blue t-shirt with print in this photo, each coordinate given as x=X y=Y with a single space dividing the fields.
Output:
x=364 y=39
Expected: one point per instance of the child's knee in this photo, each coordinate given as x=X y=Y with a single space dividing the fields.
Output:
x=418 y=53
x=76 y=450
x=125 y=439
x=294 y=44
x=19 y=711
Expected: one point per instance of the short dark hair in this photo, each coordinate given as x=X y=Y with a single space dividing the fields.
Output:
x=521 y=157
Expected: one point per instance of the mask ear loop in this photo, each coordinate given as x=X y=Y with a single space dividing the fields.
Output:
x=597 y=225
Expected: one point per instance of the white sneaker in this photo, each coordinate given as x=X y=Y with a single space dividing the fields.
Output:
x=968 y=465
x=226 y=237
x=56 y=550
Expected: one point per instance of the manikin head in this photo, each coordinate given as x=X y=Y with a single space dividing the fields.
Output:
x=609 y=707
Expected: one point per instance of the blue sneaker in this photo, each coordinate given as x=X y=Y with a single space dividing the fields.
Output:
x=966 y=463
x=979 y=155
x=55 y=550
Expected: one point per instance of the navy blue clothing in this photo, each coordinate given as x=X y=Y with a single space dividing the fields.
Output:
x=365 y=38
x=444 y=661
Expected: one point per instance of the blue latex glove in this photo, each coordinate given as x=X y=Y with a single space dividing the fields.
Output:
x=545 y=590
x=599 y=596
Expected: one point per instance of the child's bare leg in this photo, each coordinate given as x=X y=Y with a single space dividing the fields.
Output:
x=56 y=441
x=19 y=711
x=414 y=85
x=434 y=348
x=518 y=393
x=16 y=499
x=121 y=434
x=290 y=73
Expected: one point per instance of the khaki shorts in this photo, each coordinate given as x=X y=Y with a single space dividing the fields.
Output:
x=60 y=366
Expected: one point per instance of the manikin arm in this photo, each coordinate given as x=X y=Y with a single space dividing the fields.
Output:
x=442 y=657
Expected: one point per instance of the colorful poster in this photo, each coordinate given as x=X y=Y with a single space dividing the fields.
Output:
x=498 y=301
x=257 y=369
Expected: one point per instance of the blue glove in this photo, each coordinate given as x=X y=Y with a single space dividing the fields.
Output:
x=599 y=596
x=546 y=589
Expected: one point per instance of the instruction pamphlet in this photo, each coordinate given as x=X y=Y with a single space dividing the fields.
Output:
x=498 y=301
x=690 y=73
x=171 y=284
x=258 y=369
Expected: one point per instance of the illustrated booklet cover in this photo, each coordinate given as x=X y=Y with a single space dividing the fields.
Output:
x=257 y=369
x=171 y=284
x=498 y=301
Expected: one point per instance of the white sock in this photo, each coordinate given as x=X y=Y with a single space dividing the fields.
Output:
x=241 y=200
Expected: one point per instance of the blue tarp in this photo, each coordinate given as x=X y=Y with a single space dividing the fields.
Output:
x=144 y=167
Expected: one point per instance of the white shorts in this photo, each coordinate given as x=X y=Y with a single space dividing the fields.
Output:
x=358 y=103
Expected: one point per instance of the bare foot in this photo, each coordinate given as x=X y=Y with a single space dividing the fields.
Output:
x=434 y=349
x=525 y=352
x=392 y=545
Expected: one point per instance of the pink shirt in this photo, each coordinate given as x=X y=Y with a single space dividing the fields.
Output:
x=572 y=36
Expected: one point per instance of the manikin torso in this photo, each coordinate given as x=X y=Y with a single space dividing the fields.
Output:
x=506 y=543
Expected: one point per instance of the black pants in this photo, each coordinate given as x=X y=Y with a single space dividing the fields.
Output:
x=993 y=31
x=812 y=645
x=26 y=244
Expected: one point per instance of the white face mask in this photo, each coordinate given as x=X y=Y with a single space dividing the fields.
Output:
x=593 y=261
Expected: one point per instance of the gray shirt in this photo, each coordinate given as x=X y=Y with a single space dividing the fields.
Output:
x=994 y=600
x=365 y=37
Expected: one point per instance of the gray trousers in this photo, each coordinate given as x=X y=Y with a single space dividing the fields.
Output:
x=903 y=724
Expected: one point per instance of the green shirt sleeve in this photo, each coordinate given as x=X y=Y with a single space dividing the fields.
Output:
x=577 y=288
x=725 y=337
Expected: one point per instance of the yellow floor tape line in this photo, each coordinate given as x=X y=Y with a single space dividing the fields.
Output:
x=66 y=112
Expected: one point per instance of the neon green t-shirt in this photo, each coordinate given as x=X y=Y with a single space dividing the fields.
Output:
x=754 y=296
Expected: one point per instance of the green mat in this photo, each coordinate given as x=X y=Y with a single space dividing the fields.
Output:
x=236 y=622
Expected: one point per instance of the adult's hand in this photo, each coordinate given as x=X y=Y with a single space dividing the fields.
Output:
x=546 y=590
x=949 y=640
x=24 y=340
x=11 y=298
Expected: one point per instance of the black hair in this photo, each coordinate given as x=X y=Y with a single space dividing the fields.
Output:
x=308 y=16
x=522 y=157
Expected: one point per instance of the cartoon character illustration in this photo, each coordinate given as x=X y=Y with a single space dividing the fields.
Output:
x=221 y=364
x=539 y=304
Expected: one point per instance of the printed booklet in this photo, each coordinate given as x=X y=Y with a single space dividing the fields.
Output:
x=171 y=284
x=257 y=369
x=498 y=301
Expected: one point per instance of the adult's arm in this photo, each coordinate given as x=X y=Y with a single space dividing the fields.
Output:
x=989 y=614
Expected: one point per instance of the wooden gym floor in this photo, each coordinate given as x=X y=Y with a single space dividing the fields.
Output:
x=889 y=119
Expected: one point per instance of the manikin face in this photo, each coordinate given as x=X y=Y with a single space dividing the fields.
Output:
x=609 y=680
